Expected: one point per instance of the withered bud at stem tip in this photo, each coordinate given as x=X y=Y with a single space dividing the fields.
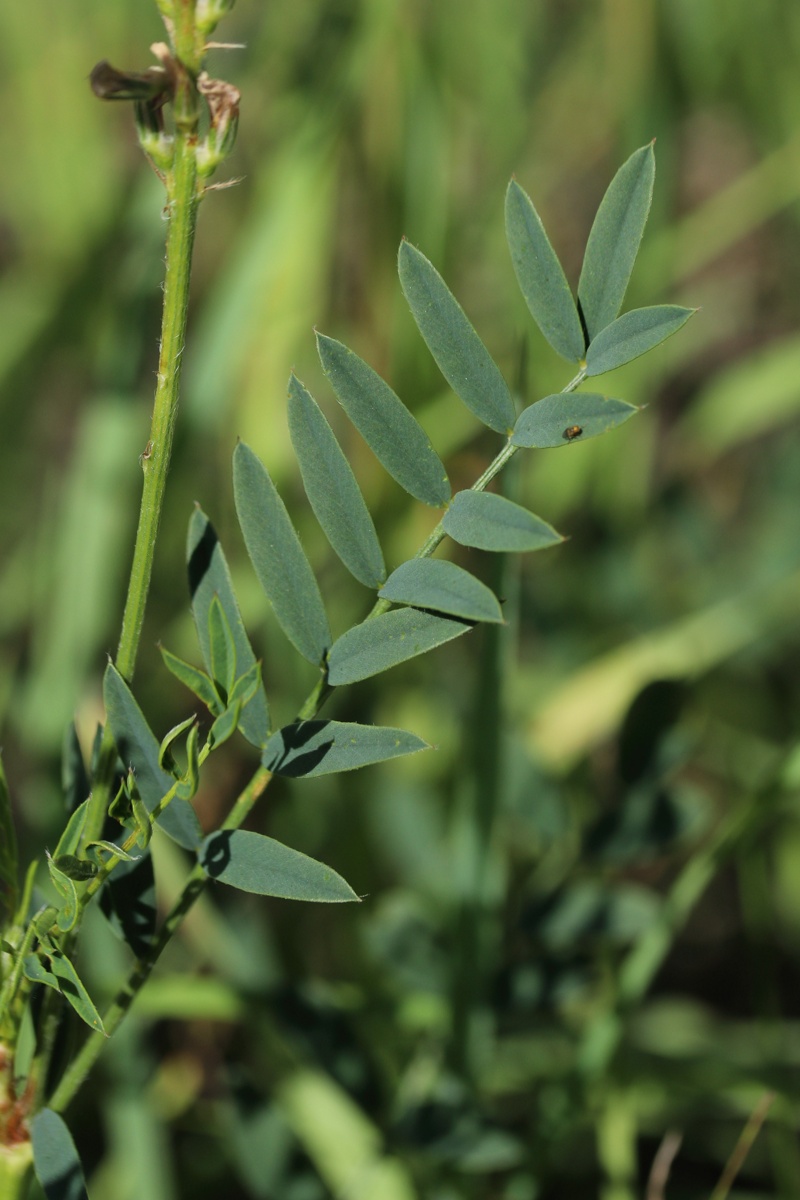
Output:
x=108 y=83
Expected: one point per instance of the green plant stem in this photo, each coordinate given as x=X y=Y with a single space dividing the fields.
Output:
x=197 y=879
x=13 y=981
x=182 y=202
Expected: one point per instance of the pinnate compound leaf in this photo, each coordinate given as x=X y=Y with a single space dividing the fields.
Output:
x=55 y=1159
x=278 y=558
x=395 y=437
x=565 y=418
x=259 y=864
x=209 y=577
x=382 y=642
x=490 y=522
x=444 y=587
x=332 y=489
x=9 y=883
x=138 y=747
x=614 y=240
x=632 y=334
x=459 y=353
x=309 y=748
x=541 y=277
x=194 y=679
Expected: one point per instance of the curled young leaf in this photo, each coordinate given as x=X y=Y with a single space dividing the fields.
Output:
x=195 y=680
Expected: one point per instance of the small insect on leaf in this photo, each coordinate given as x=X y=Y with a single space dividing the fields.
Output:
x=572 y=432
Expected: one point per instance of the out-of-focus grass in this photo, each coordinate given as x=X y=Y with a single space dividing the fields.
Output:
x=363 y=122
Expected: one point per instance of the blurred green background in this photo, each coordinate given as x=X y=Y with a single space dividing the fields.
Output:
x=581 y=926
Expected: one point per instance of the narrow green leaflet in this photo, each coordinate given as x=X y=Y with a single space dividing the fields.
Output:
x=225 y=725
x=634 y=333
x=490 y=522
x=279 y=560
x=9 y=883
x=73 y=990
x=565 y=418
x=395 y=437
x=382 y=642
x=460 y=354
x=332 y=489
x=222 y=647
x=541 y=277
x=208 y=577
x=55 y=1159
x=444 y=587
x=194 y=679
x=323 y=747
x=259 y=864
x=246 y=686
x=138 y=747
x=111 y=848
x=614 y=240
x=70 y=839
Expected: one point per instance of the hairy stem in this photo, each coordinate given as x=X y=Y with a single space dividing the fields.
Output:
x=183 y=196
